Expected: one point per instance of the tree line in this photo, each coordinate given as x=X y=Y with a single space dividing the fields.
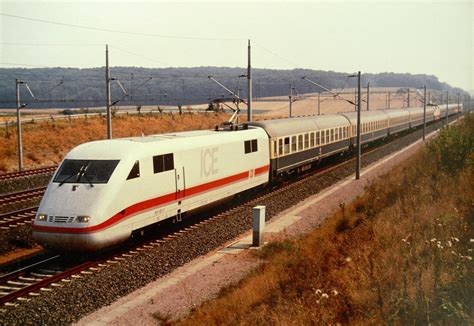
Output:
x=84 y=88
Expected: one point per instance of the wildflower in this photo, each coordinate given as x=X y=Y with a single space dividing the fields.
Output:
x=324 y=296
x=440 y=246
x=467 y=257
x=318 y=291
x=439 y=224
x=471 y=240
x=469 y=250
x=348 y=259
x=449 y=243
x=455 y=239
x=433 y=240
x=317 y=301
x=453 y=252
x=334 y=292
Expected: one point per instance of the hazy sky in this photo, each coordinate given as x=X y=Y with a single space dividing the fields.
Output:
x=371 y=36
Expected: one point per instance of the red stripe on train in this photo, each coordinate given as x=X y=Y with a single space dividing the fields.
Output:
x=152 y=203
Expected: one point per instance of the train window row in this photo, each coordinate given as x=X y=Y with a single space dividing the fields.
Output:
x=250 y=146
x=292 y=144
x=371 y=126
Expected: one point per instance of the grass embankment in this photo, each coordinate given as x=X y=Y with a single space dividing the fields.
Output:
x=401 y=254
x=46 y=143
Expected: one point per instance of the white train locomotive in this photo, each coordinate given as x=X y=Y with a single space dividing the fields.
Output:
x=105 y=190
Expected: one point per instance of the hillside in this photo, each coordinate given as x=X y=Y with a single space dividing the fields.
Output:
x=182 y=86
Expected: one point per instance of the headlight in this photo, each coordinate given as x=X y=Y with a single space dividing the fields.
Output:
x=83 y=219
x=42 y=217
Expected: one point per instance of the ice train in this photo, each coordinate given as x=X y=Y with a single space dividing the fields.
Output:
x=105 y=190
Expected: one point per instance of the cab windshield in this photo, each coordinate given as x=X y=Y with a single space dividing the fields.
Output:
x=85 y=171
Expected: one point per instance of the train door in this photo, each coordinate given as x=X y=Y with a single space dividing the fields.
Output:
x=180 y=193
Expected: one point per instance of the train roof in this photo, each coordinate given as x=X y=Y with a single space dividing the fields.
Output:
x=290 y=126
x=365 y=116
x=395 y=113
x=121 y=148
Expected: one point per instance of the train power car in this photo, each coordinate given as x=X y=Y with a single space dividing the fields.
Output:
x=104 y=190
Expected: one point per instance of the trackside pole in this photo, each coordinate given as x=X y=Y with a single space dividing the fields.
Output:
x=249 y=85
x=258 y=213
x=424 y=112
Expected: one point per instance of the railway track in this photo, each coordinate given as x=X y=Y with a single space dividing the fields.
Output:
x=21 y=196
x=32 y=280
x=19 y=217
x=27 y=173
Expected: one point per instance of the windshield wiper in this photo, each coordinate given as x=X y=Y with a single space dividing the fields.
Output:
x=68 y=178
x=87 y=179
x=84 y=175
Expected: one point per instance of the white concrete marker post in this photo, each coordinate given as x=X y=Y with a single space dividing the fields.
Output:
x=258 y=213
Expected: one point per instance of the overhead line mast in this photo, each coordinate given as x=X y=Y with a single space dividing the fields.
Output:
x=249 y=84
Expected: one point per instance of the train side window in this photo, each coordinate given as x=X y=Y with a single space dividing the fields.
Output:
x=162 y=163
x=287 y=145
x=135 y=171
x=327 y=136
x=275 y=148
x=250 y=146
x=247 y=146
x=317 y=138
x=293 y=144
x=306 y=141
x=254 y=145
x=300 y=142
x=332 y=135
x=280 y=146
x=311 y=139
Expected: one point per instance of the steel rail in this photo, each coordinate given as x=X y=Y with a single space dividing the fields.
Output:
x=18 y=216
x=21 y=195
x=27 y=173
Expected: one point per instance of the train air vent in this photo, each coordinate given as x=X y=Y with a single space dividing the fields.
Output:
x=63 y=219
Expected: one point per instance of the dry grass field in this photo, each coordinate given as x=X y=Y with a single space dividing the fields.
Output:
x=401 y=254
x=46 y=143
